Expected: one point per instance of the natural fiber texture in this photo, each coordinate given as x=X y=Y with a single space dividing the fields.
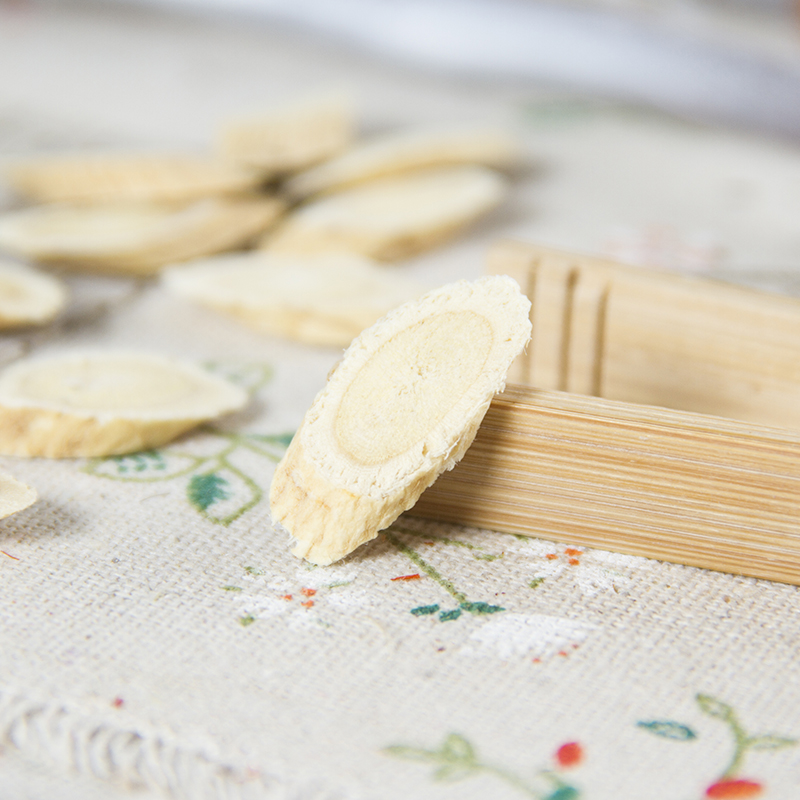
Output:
x=155 y=630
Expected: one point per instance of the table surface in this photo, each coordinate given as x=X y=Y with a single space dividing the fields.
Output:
x=158 y=641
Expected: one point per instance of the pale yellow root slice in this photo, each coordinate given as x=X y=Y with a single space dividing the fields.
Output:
x=135 y=239
x=401 y=407
x=14 y=495
x=391 y=218
x=290 y=138
x=126 y=178
x=324 y=300
x=105 y=403
x=28 y=296
x=409 y=150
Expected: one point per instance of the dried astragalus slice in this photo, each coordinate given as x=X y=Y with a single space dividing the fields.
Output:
x=409 y=150
x=401 y=407
x=324 y=299
x=14 y=495
x=393 y=217
x=105 y=403
x=292 y=137
x=126 y=178
x=136 y=239
x=28 y=296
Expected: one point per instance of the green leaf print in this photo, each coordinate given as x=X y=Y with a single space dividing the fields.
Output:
x=205 y=490
x=457 y=748
x=669 y=730
x=145 y=467
x=715 y=708
x=456 y=759
x=770 y=742
x=742 y=741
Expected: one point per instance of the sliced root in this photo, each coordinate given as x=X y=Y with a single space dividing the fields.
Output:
x=401 y=407
x=126 y=178
x=14 y=495
x=323 y=300
x=28 y=296
x=105 y=403
x=404 y=152
x=290 y=138
x=135 y=239
x=391 y=218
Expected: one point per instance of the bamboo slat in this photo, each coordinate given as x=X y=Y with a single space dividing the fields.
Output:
x=678 y=486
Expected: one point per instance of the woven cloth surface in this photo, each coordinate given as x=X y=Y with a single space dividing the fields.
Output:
x=157 y=637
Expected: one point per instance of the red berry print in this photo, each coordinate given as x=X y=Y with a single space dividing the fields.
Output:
x=737 y=787
x=569 y=755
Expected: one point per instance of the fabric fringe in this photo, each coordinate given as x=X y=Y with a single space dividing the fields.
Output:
x=131 y=756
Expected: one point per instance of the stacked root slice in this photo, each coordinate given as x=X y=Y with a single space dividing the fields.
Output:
x=290 y=138
x=134 y=239
x=323 y=300
x=291 y=181
x=127 y=178
x=398 y=153
x=105 y=403
x=401 y=407
x=391 y=218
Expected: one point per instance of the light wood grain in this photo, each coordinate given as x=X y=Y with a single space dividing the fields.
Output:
x=678 y=437
x=678 y=486
x=641 y=336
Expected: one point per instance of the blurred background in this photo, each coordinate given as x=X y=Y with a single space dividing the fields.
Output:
x=664 y=132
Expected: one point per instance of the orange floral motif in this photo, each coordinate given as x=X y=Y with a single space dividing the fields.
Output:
x=569 y=754
x=738 y=788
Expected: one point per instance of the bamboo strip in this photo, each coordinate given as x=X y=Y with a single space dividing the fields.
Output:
x=698 y=490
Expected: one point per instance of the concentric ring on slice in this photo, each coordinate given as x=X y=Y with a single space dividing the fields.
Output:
x=96 y=403
x=28 y=296
x=391 y=218
x=135 y=239
x=401 y=407
x=322 y=299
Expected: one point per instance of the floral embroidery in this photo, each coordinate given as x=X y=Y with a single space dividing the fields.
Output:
x=729 y=784
x=446 y=614
x=217 y=487
x=456 y=759
x=298 y=599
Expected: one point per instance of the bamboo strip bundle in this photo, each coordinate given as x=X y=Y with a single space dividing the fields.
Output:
x=672 y=485
x=718 y=489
